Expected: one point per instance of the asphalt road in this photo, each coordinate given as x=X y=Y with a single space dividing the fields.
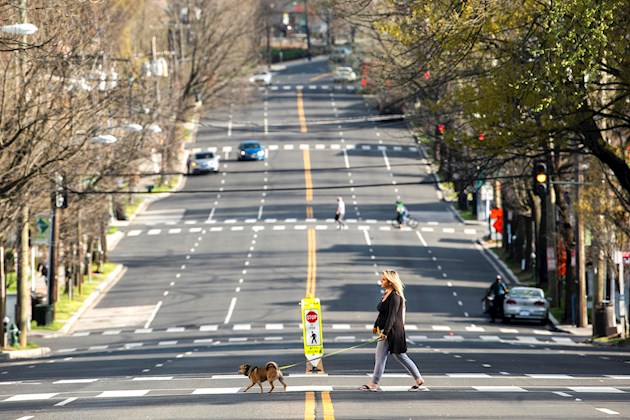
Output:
x=215 y=273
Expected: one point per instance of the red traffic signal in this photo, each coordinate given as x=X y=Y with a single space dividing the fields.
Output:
x=440 y=128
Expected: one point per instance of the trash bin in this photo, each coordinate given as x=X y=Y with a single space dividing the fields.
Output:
x=43 y=314
x=605 y=320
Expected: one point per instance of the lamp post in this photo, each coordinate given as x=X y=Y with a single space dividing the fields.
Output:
x=22 y=29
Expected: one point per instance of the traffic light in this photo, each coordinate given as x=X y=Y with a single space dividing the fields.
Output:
x=541 y=180
x=440 y=129
x=61 y=199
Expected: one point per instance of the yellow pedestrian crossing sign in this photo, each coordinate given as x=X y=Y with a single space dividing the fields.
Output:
x=312 y=329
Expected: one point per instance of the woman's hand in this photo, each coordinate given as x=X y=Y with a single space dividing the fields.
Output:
x=374 y=331
x=382 y=336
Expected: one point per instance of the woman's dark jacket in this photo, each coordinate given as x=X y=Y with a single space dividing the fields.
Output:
x=390 y=321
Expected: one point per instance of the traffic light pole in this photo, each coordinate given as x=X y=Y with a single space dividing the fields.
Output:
x=53 y=254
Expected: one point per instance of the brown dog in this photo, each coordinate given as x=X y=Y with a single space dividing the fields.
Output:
x=258 y=375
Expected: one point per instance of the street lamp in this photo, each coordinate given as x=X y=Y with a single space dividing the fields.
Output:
x=20 y=29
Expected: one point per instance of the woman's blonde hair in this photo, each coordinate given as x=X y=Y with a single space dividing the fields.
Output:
x=394 y=279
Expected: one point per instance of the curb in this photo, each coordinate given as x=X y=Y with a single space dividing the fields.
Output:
x=25 y=354
x=92 y=300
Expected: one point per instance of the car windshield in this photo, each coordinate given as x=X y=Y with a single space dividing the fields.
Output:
x=206 y=155
x=526 y=293
x=250 y=145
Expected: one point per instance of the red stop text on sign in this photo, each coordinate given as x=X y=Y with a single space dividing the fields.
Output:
x=311 y=317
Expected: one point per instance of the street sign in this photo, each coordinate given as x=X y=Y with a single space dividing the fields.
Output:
x=487 y=193
x=312 y=329
x=42 y=225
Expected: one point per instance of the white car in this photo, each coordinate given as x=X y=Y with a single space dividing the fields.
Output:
x=526 y=303
x=203 y=162
x=261 y=78
x=344 y=74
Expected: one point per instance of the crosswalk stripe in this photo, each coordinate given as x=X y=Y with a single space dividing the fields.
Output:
x=499 y=388
x=32 y=397
x=596 y=389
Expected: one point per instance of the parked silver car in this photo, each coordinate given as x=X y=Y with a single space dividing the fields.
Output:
x=203 y=162
x=527 y=303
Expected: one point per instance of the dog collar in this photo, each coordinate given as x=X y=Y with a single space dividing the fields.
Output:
x=249 y=370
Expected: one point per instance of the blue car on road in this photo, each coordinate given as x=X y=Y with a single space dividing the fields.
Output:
x=251 y=150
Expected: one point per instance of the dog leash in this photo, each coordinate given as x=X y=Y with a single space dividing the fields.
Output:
x=331 y=354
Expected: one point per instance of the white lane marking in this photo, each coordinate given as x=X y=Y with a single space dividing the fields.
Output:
x=66 y=350
x=418 y=337
x=175 y=329
x=230 y=310
x=341 y=326
x=542 y=332
x=31 y=397
x=315 y=388
x=143 y=330
x=563 y=394
x=467 y=375
x=345 y=158
x=606 y=410
x=81 y=334
x=132 y=345
x=203 y=340
x=390 y=388
x=508 y=330
x=209 y=391
x=153 y=314
x=103 y=347
x=76 y=381
x=65 y=402
x=274 y=338
x=274 y=326
x=448 y=230
x=154 y=232
x=167 y=343
x=367 y=238
x=237 y=339
x=548 y=376
x=123 y=393
x=424 y=243
x=597 y=389
x=618 y=376
x=475 y=328
x=499 y=389
x=242 y=327
x=527 y=339
x=387 y=165
x=152 y=378
x=562 y=340
x=470 y=231
x=490 y=338
x=208 y=328
x=440 y=328
x=136 y=232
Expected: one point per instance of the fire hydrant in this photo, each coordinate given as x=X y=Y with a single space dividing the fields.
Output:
x=14 y=335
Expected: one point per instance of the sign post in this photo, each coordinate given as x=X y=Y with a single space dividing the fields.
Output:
x=312 y=330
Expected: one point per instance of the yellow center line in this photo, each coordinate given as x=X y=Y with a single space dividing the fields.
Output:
x=312 y=263
x=329 y=412
x=308 y=179
x=301 y=117
x=309 y=405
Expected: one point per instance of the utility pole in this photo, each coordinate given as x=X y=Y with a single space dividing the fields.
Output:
x=582 y=319
x=3 y=299
x=24 y=296
x=308 y=32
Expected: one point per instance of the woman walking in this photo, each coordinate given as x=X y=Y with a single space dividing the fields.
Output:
x=390 y=325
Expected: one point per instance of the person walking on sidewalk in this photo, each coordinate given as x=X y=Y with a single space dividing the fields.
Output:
x=340 y=213
x=390 y=325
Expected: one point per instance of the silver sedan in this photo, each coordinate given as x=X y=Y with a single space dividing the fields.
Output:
x=527 y=303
